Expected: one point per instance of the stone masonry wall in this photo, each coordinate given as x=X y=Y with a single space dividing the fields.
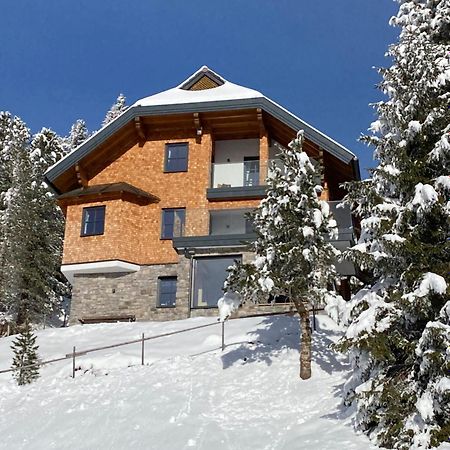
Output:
x=136 y=293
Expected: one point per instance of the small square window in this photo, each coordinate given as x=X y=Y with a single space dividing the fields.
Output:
x=172 y=223
x=176 y=159
x=93 y=222
x=167 y=292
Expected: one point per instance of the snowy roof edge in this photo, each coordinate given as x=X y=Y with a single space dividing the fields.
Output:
x=264 y=103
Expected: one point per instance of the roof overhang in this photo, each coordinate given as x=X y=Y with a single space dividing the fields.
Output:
x=265 y=104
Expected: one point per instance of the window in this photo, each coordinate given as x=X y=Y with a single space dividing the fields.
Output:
x=172 y=223
x=176 y=159
x=210 y=274
x=93 y=222
x=167 y=292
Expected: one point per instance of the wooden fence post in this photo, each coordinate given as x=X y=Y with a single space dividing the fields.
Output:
x=73 y=362
x=142 y=350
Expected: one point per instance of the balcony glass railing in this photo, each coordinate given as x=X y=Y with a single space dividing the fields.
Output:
x=224 y=222
x=245 y=173
x=229 y=222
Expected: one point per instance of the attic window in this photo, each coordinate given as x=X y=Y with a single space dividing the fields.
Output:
x=206 y=79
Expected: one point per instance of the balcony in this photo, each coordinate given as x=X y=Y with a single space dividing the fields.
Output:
x=229 y=221
x=232 y=230
x=239 y=174
x=227 y=228
x=239 y=180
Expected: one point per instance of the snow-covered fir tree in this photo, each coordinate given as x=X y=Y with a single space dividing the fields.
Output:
x=78 y=134
x=293 y=257
x=25 y=360
x=46 y=149
x=6 y=126
x=116 y=110
x=31 y=224
x=398 y=336
x=6 y=121
x=15 y=218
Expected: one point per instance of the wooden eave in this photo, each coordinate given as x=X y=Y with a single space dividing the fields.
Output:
x=110 y=191
x=222 y=125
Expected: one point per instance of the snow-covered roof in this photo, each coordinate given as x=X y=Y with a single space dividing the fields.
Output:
x=179 y=94
x=216 y=94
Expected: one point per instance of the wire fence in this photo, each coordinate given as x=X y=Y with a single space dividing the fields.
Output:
x=74 y=354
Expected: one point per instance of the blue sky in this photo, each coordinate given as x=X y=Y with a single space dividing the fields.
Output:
x=64 y=60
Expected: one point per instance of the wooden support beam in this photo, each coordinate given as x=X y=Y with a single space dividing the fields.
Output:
x=262 y=127
x=263 y=158
x=81 y=176
x=325 y=194
x=139 y=128
x=198 y=127
x=321 y=165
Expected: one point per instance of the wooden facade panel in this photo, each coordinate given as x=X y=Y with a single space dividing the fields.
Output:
x=132 y=230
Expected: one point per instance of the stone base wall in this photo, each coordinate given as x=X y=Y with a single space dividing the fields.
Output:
x=136 y=293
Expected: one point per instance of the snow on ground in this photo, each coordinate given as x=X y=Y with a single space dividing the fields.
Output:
x=189 y=394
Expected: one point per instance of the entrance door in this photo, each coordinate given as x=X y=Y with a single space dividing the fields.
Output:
x=209 y=275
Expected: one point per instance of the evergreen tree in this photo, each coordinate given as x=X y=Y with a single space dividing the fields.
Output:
x=116 y=110
x=293 y=257
x=15 y=217
x=5 y=181
x=46 y=149
x=6 y=124
x=25 y=360
x=398 y=336
x=31 y=224
x=78 y=134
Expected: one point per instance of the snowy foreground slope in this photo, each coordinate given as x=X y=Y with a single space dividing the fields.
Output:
x=190 y=395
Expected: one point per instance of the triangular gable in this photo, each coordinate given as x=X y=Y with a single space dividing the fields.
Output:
x=203 y=79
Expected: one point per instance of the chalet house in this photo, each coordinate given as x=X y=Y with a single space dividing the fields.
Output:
x=155 y=202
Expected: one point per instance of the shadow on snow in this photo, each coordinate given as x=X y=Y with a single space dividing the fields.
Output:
x=278 y=333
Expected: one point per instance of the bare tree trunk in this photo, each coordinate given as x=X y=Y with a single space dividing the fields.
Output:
x=305 y=340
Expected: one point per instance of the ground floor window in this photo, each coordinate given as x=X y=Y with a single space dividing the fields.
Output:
x=209 y=275
x=167 y=292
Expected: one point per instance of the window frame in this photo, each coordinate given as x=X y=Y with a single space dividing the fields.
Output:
x=158 y=299
x=166 y=156
x=83 y=220
x=183 y=225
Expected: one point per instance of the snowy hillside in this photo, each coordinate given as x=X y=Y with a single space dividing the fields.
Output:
x=190 y=395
